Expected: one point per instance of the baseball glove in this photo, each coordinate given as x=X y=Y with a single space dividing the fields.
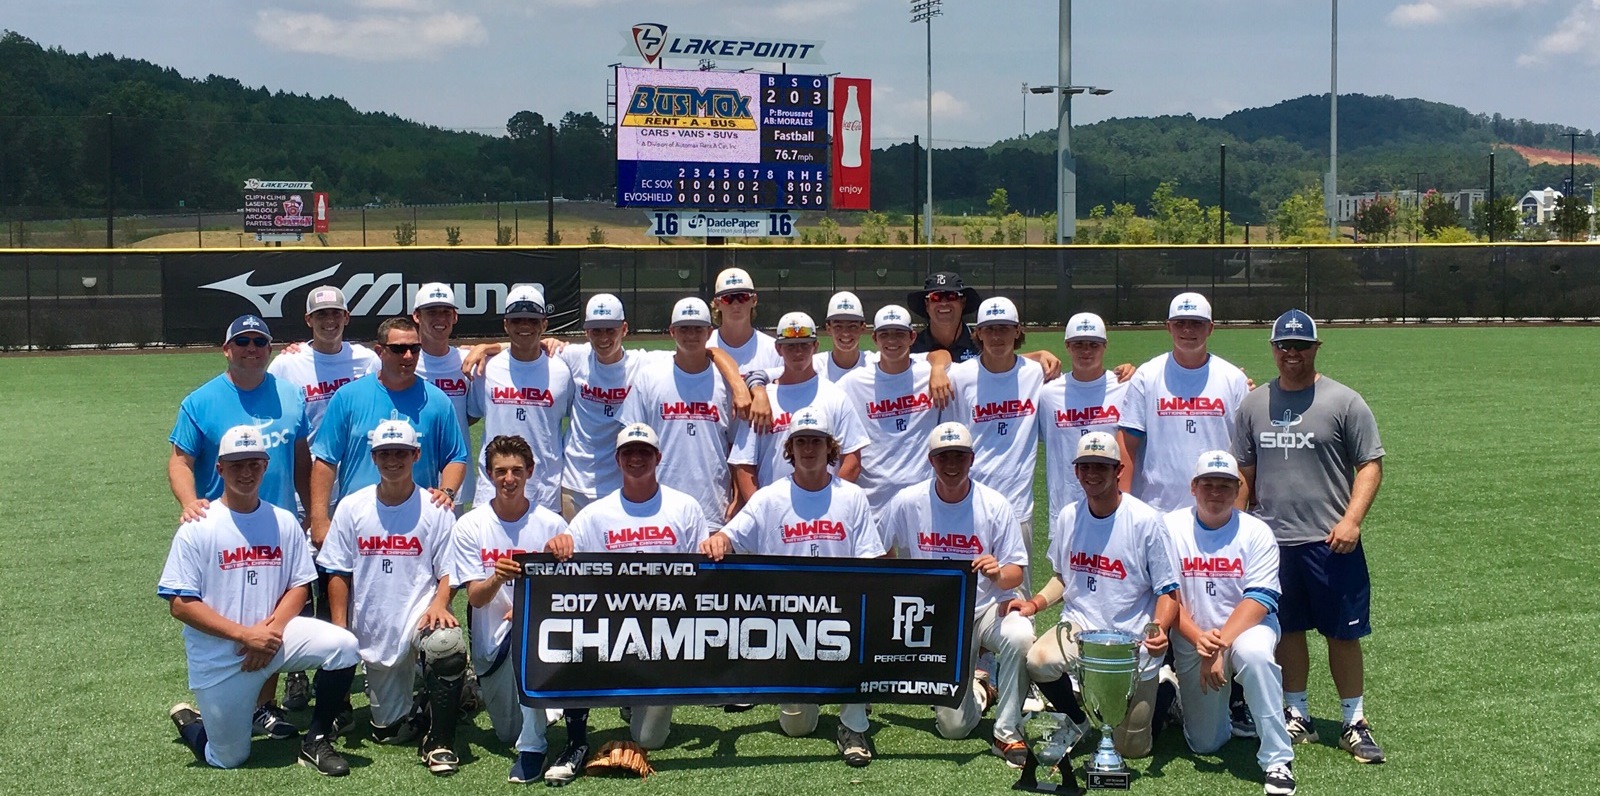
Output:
x=620 y=757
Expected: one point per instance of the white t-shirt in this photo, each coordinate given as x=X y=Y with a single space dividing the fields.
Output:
x=831 y=372
x=445 y=373
x=479 y=539
x=1218 y=566
x=669 y=522
x=783 y=519
x=1182 y=414
x=599 y=390
x=758 y=353
x=394 y=556
x=1001 y=411
x=765 y=451
x=691 y=413
x=898 y=416
x=239 y=565
x=318 y=376
x=1113 y=568
x=529 y=400
x=920 y=524
x=1068 y=409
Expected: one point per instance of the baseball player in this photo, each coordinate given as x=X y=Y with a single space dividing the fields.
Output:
x=1087 y=399
x=733 y=308
x=641 y=517
x=388 y=550
x=893 y=400
x=320 y=368
x=845 y=322
x=1312 y=460
x=808 y=513
x=236 y=578
x=1178 y=405
x=524 y=392
x=1226 y=629
x=434 y=311
x=950 y=516
x=484 y=541
x=1113 y=561
x=343 y=461
x=757 y=457
x=686 y=402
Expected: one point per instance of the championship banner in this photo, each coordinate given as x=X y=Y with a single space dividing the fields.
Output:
x=607 y=630
x=852 y=150
x=202 y=292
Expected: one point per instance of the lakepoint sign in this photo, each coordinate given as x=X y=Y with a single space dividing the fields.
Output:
x=651 y=41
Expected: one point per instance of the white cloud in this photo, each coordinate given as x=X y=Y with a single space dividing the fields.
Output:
x=397 y=30
x=1576 y=36
x=1429 y=12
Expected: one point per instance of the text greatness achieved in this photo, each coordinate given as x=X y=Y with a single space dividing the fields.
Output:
x=599 y=630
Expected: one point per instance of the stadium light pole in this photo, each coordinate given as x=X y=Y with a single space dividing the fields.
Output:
x=924 y=11
x=1024 y=110
x=1331 y=186
x=1492 y=220
x=1572 y=160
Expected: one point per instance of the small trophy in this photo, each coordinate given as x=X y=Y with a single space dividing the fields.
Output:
x=1108 y=667
x=1051 y=751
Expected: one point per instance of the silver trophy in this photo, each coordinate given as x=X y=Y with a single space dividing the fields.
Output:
x=1050 y=752
x=1107 y=668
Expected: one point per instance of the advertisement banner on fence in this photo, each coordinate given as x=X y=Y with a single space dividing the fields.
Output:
x=852 y=150
x=201 y=292
x=657 y=629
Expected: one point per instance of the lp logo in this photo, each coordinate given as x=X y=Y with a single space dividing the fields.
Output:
x=908 y=612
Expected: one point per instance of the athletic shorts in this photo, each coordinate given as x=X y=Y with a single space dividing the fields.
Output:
x=1324 y=591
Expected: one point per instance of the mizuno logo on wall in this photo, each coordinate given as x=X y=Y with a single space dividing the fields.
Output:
x=382 y=294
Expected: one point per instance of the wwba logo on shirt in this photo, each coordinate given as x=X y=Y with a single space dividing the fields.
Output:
x=391 y=545
x=260 y=555
x=643 y=536
x=1213 y=567
x=1098 y=564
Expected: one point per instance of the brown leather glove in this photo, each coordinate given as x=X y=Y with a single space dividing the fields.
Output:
x=620 y=757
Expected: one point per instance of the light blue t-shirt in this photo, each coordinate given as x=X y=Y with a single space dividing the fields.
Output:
x=361 y=405
x=274 y=406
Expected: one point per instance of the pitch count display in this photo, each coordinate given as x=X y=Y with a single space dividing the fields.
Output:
x=721 y=140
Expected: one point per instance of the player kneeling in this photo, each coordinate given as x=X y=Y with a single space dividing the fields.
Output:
x=1226 y=627
x=950 y=516
x=808 y=513
x=387 y=551
x=237 y=579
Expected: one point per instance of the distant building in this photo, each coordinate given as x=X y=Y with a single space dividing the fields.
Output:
x=1346 y=205
x=1539 y=207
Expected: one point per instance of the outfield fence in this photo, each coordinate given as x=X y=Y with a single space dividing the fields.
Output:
x=72 y=298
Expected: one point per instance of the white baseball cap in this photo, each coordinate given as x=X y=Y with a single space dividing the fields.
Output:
x=810 y=420
x=796 y=327
x=604 y=311
x=1086 y=326
x=638 y=434
x=892 y=316
x=326 y=297
x=844 y=306
x=393 y=435
x=734 y=280
x=434 y=294
x=526 y=301
x=1189 y=305
x=1098 y=447
x=691 y=311
x=1214 y=464
x=950 y=436
x=996 y=311
x=241 y=442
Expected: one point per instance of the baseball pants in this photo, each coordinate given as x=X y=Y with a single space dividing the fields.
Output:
x=512 y=721
x=227 y=707
x=1055 y=654
x=1250 y=661
x=1026 y=528
x=390 y=688
x=1010 y=639
x=651 y=724
x=798 y=720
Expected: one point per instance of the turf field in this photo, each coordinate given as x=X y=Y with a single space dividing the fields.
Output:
x=1480 y=672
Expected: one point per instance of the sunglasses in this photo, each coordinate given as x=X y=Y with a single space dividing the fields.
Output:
x=945 y=295
x=797 y=332
x=1293 y=345
x=401 y=349
x=736 y=298
x=249 y=340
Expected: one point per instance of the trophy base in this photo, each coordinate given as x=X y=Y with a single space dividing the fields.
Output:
x=1108 y=780
x=1029 y=781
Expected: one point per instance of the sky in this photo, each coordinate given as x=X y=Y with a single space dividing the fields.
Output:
x=471 y=64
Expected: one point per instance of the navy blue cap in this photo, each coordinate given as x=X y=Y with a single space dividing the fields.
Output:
x=1294 y=325
x=247 y=324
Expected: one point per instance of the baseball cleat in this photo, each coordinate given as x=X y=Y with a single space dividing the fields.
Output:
x=400 y=733
x=272 y=721
x=1357 y=740
x=441 y=760
x=566 y=767
x=1244 y=724
x=1280 y=780
x=1301 y=730
x=296 y=691
x=1015 y=753
x=853 y=747
x=191 y=730
x=526 y=768
x=318 y=753
x=183 y=714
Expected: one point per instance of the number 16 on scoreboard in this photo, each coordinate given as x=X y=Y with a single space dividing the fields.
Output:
x=666 y=224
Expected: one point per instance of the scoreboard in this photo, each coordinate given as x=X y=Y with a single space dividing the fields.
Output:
x=722 y=140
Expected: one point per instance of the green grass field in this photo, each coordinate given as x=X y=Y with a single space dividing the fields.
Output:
x=1479 y=672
